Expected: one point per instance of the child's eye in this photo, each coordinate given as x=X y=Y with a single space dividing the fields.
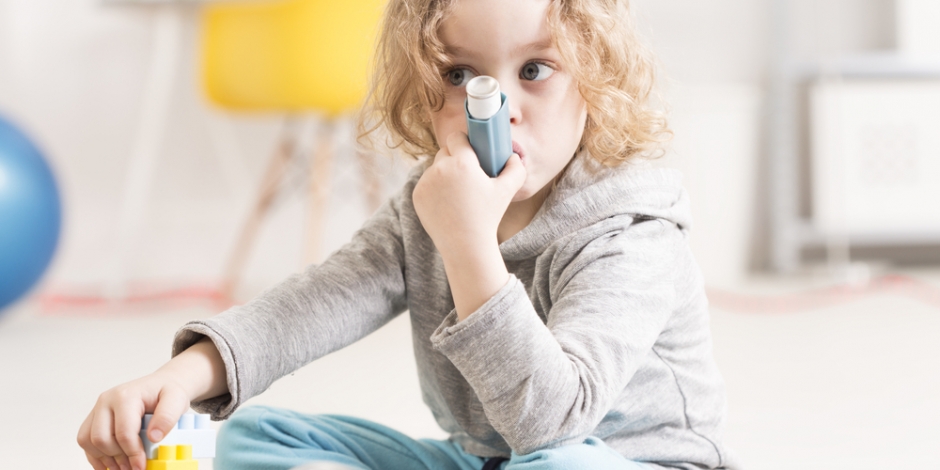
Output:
x=536 y=71
x=459 y=77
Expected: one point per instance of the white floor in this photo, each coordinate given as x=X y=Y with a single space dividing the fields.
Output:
x=853 y=386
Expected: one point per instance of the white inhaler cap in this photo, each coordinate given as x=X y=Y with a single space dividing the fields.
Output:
x=483 y=97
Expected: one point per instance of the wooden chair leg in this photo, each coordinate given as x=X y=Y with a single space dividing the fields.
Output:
x=278 y=165
x=318 y=192
x=371 y=183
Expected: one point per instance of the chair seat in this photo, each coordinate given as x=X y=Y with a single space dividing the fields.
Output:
x=289 y=55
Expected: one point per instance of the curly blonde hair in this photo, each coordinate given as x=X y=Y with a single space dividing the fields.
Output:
x=599 y=48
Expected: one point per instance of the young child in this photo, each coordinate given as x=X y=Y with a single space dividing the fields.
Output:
x=559 y=319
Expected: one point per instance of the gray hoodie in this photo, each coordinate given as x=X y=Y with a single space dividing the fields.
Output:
x=601 y=330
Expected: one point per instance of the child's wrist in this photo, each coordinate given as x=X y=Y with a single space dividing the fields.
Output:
x=474 y=277
x=176 y=375
x=468 y=246
x=198 y=371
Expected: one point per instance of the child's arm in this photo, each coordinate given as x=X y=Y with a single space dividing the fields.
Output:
x=324 y=308
x=543 y=385
x=110 y=434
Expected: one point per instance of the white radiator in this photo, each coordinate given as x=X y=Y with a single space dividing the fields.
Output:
x=876 y=160
x=916 y=27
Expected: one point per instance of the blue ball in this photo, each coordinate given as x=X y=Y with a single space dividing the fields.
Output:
x=30 y=214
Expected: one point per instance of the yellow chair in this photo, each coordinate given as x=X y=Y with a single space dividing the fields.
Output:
x=294 y=57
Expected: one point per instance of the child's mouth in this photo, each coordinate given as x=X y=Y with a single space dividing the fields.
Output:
x=517 y=149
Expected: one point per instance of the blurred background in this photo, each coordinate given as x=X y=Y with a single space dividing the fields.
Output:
x=808 y=132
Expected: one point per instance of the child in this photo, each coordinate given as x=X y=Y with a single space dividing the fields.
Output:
x=559 y=320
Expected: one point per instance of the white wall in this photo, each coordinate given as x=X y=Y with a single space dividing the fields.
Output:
x=713 y=57
x=716 y=58
x=707 y=42
x=4 y=52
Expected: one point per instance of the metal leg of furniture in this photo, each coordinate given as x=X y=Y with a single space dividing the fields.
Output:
x=783 y=166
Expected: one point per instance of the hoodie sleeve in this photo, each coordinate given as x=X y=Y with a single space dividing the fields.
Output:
x=326 y=307
x=546 y=385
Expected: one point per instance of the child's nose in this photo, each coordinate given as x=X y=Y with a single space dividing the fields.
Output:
x=509 y=86
x=515 y=109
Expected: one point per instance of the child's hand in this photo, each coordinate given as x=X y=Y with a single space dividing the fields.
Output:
x=459 y=205
x=110 y=434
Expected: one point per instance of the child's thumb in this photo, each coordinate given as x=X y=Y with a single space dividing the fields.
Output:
x=166 y=414
x=513 y=175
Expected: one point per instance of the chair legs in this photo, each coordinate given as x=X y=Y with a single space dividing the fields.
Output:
x=371 y=182
x=278 y=166
x=319 y=178
x=318 y=192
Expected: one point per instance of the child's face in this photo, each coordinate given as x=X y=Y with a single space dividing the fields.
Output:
x=510 y=41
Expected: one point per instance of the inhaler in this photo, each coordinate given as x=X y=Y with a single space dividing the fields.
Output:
x=488 y=124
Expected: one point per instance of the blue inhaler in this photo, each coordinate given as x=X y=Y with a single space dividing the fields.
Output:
x=488 y=124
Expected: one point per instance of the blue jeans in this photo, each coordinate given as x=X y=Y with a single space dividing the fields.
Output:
x=262 y=438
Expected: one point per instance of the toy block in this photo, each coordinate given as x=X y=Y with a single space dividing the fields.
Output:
x=173 y=458
x=192 y=429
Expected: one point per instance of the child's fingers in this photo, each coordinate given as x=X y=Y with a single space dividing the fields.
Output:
x=102 y=433
x=443 y=152
x=122 y=462
x=127 y=421
x=513 y=175
x=101 y=461
x=109 y=463
x=84 y=434
x=170 y=406
x=458 y=144
x=93 y=454
x=95 y=462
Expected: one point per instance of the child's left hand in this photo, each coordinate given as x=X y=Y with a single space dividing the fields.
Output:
x=459 y=205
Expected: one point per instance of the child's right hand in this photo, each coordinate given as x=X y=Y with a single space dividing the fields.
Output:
x=110 y=435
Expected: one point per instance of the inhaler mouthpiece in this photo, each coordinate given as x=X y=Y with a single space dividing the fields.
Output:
x=483 y=97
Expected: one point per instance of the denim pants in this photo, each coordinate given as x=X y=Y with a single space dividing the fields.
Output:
x=263 y=438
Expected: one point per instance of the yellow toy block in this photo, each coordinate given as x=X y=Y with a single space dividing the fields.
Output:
x=174 y=458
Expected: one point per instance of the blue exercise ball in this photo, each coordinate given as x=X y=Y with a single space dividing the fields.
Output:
x=30 y=214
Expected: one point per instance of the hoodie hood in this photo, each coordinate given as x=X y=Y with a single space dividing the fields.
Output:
x=589 y=192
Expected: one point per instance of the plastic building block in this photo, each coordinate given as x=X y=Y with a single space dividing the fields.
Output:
x=173 y=458
x=192 y=430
